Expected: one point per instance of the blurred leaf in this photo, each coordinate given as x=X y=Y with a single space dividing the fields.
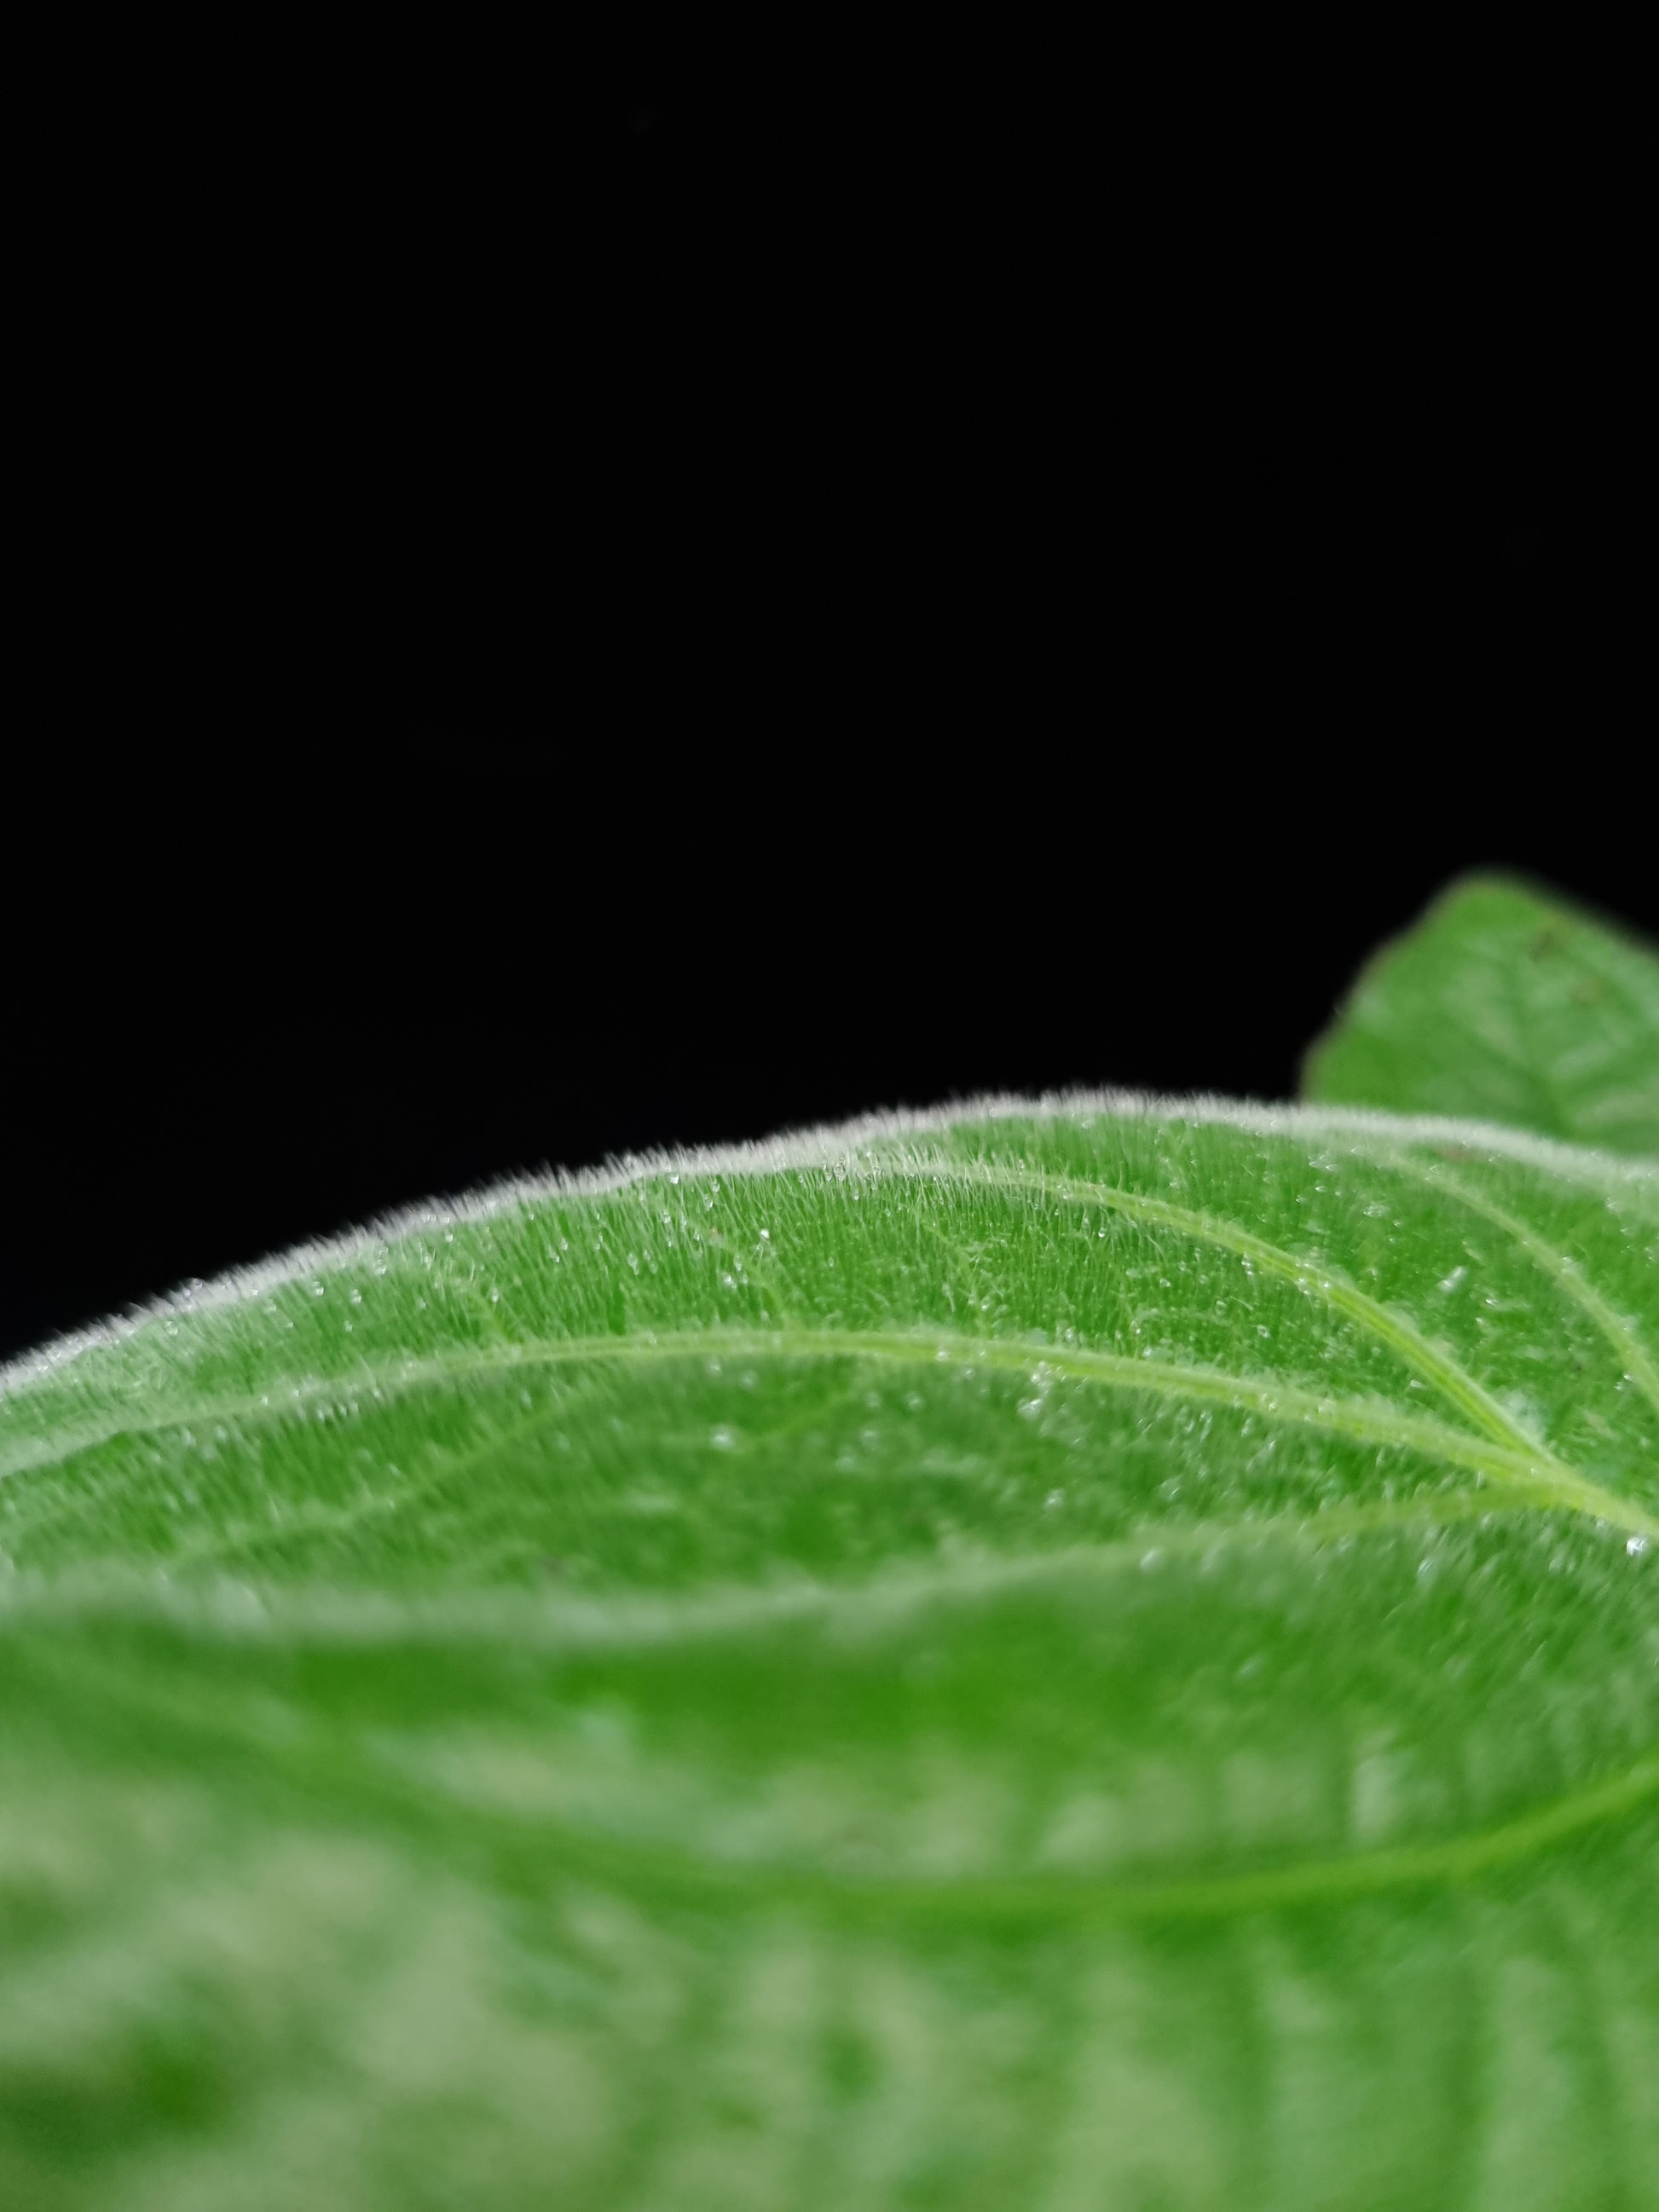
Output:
x=1050 y=1657
x=1504 y=1006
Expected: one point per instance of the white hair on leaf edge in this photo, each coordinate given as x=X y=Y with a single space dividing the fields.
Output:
x=817 y=1146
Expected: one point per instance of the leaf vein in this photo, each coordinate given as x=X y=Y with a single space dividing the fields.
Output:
x=1398 y=1334
x=1546 y=1479
x=1637 y=1361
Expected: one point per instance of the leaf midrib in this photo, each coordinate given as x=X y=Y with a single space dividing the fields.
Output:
x=1395 y=1332
x=1546 y=1481
x=1520 y=1457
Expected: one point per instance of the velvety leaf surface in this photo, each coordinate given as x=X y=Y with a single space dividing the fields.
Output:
x=1509 y=1007
x=1058 y=1658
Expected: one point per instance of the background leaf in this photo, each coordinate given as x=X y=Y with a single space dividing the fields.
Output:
x=1509 y=1007
x=1064 y=1657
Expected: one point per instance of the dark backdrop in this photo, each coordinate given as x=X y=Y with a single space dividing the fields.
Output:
x=735 y=591
x=267 y=1036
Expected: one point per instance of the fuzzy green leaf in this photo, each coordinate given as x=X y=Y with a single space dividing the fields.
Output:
x=1056 y=1657
x=1504 y=1006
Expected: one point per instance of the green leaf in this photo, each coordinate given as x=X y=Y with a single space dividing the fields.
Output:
x=1504 y=1006
x=1059 y=1657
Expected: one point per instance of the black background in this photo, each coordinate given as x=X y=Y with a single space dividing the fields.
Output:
x=663 y=593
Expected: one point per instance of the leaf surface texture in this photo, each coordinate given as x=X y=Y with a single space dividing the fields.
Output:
x=1067 y=1656
x=1506 y=1006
